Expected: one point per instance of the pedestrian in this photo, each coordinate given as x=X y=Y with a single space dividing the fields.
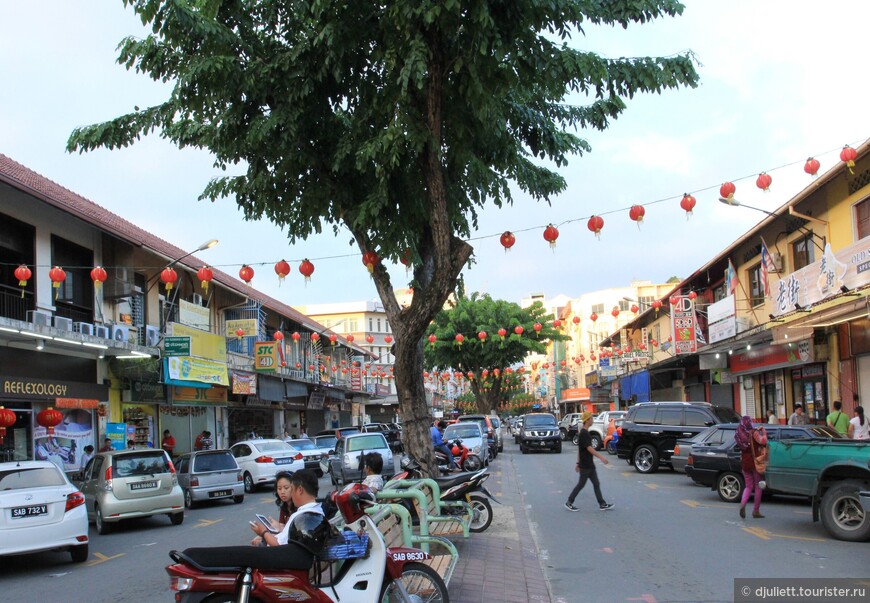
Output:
x=197 y=443
x=858 y=427
x=374 y=464
x=107 y=445
x=87 y=456
x=752 y=443
x=771 y=418
x=168 y=443
x=438 y=443
x=586 y=466
x=797 y=417
x=131 y=444
x=838 y=419
x=206 y=442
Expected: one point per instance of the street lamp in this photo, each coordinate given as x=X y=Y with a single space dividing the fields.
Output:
x=207 y=245
x=791 y=211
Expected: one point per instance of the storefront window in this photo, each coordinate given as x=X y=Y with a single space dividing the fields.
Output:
x=16 y=445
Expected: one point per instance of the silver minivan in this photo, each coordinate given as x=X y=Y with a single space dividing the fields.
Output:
x=210 y=475
x=123 y=484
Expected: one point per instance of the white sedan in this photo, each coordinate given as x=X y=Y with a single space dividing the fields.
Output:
x=40 y=510
x=260 y=460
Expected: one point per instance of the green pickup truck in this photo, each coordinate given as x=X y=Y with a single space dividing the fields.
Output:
x=831 y=473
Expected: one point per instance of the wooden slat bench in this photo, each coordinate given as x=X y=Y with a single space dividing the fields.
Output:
x=425 y=495
x=394 y=523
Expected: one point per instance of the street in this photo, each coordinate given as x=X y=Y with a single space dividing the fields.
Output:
x=665 y=540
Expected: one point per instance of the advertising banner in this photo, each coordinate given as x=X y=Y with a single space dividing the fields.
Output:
x=266 y=356
x=117 y=432
x=244 y=383
x=250 y=326
x=188 y=368
x=684 y=326
x=194 y=315
x=197 y=396
x=202 y=344
x=65 y=446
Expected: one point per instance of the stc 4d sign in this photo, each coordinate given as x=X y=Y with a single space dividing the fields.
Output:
x=684 y=326
x=266 y=356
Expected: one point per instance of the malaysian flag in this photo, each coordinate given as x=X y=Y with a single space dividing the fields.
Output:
x=731 y=278
x=767 y=267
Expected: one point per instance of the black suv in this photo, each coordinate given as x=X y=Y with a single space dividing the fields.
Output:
x=651 y=429
x=540 y=432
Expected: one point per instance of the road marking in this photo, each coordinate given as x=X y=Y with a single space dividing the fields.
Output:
x=696 y=503
x=207 y=522
x=100 y=558
x=267 y=499
x=646 y=598
x=606 y=549
x=627 y=473
x=146 y=544
x=58 y=575
x=767 y=535
x=652 y=486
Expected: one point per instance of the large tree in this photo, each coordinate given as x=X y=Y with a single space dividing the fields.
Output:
x=396 y=120
x=487 y=358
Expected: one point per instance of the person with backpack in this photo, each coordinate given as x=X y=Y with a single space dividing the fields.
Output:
x=838 y=419
x=752 y=443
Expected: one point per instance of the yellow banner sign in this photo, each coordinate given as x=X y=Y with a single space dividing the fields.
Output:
x=249 y=326
x=266 y=356
x=202 y=344
x=188 y=368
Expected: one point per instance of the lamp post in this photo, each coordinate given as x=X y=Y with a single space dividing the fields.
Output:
x=792 y=212
x=168 y=308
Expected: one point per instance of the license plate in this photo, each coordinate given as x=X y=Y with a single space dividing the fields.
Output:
x=218 y=493
x=143 y=485
x=18 y=512
x=284 y=461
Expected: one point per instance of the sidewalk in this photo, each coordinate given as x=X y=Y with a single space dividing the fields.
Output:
x=501 y=564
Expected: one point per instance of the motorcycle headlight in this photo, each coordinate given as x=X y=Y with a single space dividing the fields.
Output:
x=476 y=450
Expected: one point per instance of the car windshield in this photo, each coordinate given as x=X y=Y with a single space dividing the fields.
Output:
x=141 y=463
x=540 y=421
x=702 y=435
x=214 y=461
x=25 y=478
x=366 y=442
x=302 y=444
x=726 y=415
x=823 y=431
x=325 y=441
x=273 y=446
x=461 y=431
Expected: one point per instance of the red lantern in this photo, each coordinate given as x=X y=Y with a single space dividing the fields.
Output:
x=246 y=273
x=763 y=181
x=848 y=156
x=279 y=336
x=98 y=275
x=557 y=323
x=7 y=419
x=23 y=274
x=57 y=276
x=432 y=340
x=727 y=190
x=370 y=338
x=537 y=327
x=502 y=333
x=332 y=338
x=812 y=166
x=551 y=233
x=592 y=357
x=636 y=213
x=593 y=317
x=459 y=338
x=688 y=204
x=482 y=336
x=693 y=295
x=518 y=330
x=634 y=308
x=470 y=375
x=240 y=332
x=595 y=224
x=349 y=338
x=48 y=418
x=315 y=337
x=295 y=336
x=576 y=320
x=507 y=240
x=484 y=373
x=675 y=299
x=388 y=340
x=369 y=259
x=657 y=304
x=168 y=277
x=282 y=269
x=306 y=269
x=205 y=275
x=615 y=312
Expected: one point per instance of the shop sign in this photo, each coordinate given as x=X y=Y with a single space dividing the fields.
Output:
x=382 y=390
x=200 y=395
x=345 y=407
x=316 y=400
x=194 y=315
x=266 y=356
x=142 y=391
x=202 y=345
x=849 y=267
x=575 y=393
x=42 y=389
x=76 y=403
x=244 y=383
x=176 y=346
x=592 y=378
x=250 y=326
x=190 y=368
x=772 y=357
x=684 y=326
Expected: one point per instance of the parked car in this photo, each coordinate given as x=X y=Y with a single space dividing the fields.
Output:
x=210 y=475
x=651 y=429
x=344 y=465
x=540 y=432
x=338 y=432
x=499 y=436
x=518 y=426
x=493 y=437
x=311 y=454
x=125 y=484
x=260 y=460
x=683 y=447
x=325 y=444
x=598 y=429
x=471 y=436
x=568 y=426
x=393 y=435
x=41 y=510
x=715 y=462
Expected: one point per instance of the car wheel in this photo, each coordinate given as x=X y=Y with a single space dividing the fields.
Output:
x=501 y=447
x=842 y=514
x=102 y=526
x=523 y=449
x=188 y=499
x=239 y=499
x=596 y=441
x=249 y=483
x=79 y=553
x=176 y=518
x=332 y=478
x=318 y=473
x=576 y=439
x=564 y=433
x=729 y=486
x=646 y=459
x=558 y=448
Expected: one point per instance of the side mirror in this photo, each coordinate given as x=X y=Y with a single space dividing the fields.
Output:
x=709 y=423
x=331 y=452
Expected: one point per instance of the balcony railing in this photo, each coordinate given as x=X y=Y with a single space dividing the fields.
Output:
x=12 y=305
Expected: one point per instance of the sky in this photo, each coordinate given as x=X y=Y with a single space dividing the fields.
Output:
x=780 y=81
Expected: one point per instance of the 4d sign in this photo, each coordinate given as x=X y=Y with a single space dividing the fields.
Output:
x=266 y=356
x=683 y=326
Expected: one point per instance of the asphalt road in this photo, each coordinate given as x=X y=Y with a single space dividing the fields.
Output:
x=666 y=539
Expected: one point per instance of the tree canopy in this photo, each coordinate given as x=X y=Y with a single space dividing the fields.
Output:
x=396 y=120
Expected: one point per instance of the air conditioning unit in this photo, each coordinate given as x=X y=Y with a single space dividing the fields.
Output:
x=101 y=331
x=152 y=336
x=39 y=318
x=85 y=328
x=63 y=324
x=121 y=333
x=196 y=298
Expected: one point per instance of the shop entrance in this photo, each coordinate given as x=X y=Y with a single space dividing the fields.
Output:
x=17 y=445
x=810 y=387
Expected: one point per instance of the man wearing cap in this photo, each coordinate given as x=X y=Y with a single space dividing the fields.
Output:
x=586 y=466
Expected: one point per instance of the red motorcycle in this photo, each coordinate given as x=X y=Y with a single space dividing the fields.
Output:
x=461 y=456
x=246 y=574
